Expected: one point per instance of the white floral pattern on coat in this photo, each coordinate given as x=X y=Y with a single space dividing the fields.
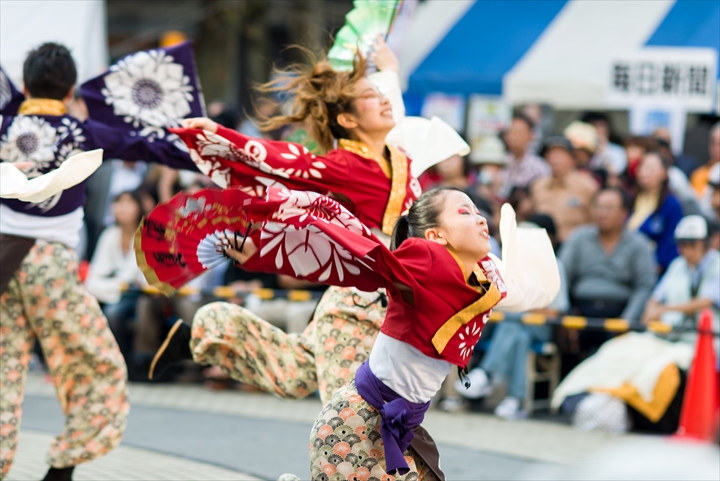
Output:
x=308 y=249
x=468 y=338
x=211 y=146
x=30 y=139
x=149 y=90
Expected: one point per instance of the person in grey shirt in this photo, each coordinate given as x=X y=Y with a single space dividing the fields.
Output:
x=610 y=271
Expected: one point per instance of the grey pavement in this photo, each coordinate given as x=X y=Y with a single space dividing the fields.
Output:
x=263 y=436
x=123 y=463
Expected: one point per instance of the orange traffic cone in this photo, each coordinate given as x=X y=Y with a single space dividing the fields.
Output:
x=699 y=416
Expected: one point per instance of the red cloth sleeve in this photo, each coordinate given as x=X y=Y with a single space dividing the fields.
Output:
x=234 y=159
x=312 y=237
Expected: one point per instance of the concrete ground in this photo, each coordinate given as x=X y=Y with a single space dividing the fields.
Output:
x=184 y=432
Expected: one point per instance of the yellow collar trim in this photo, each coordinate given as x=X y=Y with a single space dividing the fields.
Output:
x=453 y=325
x=397 y=171
x=485 y=303
x=42 y=107
x=479 y=274
x=398 y=190
x=363 y=150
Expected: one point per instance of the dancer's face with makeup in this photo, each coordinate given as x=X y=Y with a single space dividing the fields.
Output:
x=372 y=112
x=461 y=228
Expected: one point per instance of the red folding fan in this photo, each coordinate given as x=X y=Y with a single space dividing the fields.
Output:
x=178 y=240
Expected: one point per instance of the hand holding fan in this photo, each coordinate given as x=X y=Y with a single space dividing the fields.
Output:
x=367 y=20
x=179 y=239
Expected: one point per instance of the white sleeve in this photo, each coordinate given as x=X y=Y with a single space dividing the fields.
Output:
x=101 y=281
x=528 y=266
x=426 y=142
x=15 y=185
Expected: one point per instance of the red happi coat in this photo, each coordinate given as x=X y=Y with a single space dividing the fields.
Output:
x=375 y=191
x=432 y=305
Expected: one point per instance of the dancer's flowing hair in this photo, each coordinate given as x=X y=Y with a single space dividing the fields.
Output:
x=319 y=94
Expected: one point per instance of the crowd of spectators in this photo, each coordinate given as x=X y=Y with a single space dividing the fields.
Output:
x=620 y=214
x=612 y=209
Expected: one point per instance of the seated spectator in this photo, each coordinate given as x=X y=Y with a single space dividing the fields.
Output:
x=635 y=149
x=699 y=178
x=488 y=160
x=608 y=156
x=113 y=268
x=523 y=167
x=678 y=182
x=290 y=315
x=567 y=194
x=685 y=163
x=656 y=211
x=610 y=270
x=506 y=357
x=691 y=283
x=522 y=203
x=710 y=202
x=452 y=172
x=584 y=139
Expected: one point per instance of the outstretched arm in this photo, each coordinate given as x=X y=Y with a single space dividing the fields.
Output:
x=160 y=146
x=230 y=158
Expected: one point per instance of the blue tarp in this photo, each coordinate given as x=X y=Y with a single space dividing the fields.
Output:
x=690 y=23
x=497 y=33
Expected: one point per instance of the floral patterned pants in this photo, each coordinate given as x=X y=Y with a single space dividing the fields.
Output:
x=345 y=443
x=325 y=356
x=45 y=300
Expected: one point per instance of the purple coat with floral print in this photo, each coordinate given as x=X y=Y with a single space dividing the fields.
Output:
x=130 y=107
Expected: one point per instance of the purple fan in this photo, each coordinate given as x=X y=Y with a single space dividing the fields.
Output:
x=147 y=91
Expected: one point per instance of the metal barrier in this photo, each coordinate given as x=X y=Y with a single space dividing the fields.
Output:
x=226 y=292
x=599 y=324
x=569 y=322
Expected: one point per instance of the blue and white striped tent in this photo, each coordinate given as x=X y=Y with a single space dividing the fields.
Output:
x=566 y=52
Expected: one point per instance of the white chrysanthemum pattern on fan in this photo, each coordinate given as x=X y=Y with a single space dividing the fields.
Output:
x=30 y=139
x=148 y=89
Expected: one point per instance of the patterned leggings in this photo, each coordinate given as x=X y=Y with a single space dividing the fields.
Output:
x=325 y=356
x=46 y=300
x=345 y=443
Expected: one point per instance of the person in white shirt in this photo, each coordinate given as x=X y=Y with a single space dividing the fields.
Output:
x=113 y=268
x=691 y=283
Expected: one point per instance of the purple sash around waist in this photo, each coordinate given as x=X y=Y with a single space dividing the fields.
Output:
x=399 y=417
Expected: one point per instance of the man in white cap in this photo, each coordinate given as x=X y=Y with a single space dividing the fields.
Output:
x=692 y=281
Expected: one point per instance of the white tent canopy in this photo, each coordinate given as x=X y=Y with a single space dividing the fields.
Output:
x=567 y=66
x=571 y=54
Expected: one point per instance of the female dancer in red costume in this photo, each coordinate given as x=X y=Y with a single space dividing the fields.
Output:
x=369 y=177
x=442 y=286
